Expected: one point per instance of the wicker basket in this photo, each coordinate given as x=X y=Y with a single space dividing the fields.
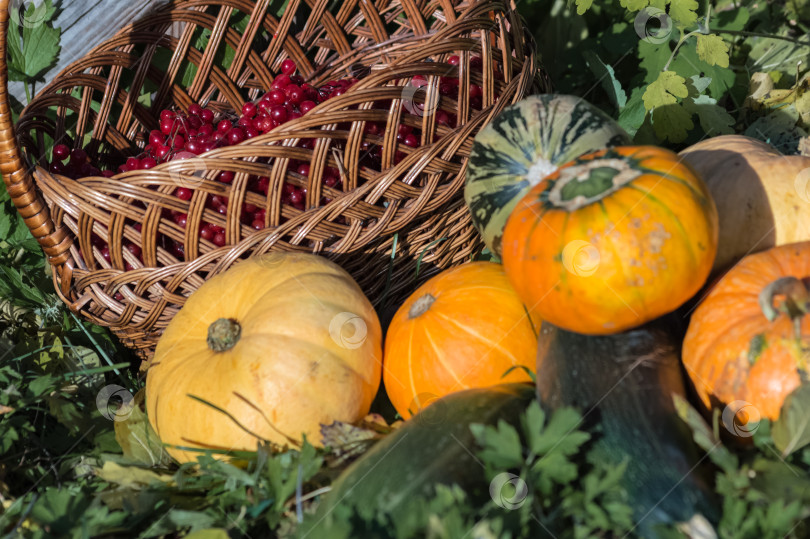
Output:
x=377 y=226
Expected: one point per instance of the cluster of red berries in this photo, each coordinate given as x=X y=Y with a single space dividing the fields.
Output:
x=186 y=135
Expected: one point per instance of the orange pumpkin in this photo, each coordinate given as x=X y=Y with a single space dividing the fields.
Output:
x=464 y=328
x=612 y=240
x=749 y=339
x=284 y=343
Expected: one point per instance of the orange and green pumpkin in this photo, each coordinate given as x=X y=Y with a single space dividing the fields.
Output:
x=614 y=239
x=522 y=145
x=464 y=328
x=749 y=339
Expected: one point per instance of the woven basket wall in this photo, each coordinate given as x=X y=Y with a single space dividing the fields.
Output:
x=111 y=100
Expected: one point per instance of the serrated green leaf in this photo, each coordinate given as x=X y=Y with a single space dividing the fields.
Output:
x=533 y=423
x=714 y=119
x=553 y=468
x=687 y=63
x=792 y=430
x=731 y=19
x=607 y=78
x=698 y=84
x=653 y=57
x=634 y=5
x=712 y=49
x=665 y=90
x=778 y=129
x=672 y=122
x=583 y=6
x=501 y=445
x=196 y=520
x=560 y=434
x=683 y=11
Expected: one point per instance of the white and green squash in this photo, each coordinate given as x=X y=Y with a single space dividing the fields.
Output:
x=525 y=143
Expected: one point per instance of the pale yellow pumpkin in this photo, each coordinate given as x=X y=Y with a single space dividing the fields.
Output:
x=283 y=342
x=762 y=196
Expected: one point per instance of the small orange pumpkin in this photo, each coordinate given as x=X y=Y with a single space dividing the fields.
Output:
x=464 y=328
x=749 y=339
x=612 y=240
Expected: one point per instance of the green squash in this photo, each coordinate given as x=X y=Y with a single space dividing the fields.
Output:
x=525 y=143
x=431 y=448
x=624 y=385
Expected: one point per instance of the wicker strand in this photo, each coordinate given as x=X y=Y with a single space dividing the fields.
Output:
x=408 y=202
x=55 y=241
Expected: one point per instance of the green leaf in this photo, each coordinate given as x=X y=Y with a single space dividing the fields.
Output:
x=665 y=90
x=57 y=509
x=632 y=115
x=699 y=84
x=714 y=119
x=583 y=6
x=634 y=5
x=653 y=57
x=778 y=129
x=688 y=64
x=209 y=533
x=130 y=476
x=533 y=423
x=731 y=19
x=703 y=435
x=501 y=445
x=683 y=11
x=40 y=42
x=672 y=122
x=137 y=439
x=607 y=77
x=196 y=520
x=712 y=49
x=552 y=468
x=792 y=430
x=560 y=435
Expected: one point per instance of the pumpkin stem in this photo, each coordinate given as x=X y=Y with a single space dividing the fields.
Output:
x=421 y=306
x=795 y=305
x=223 y=334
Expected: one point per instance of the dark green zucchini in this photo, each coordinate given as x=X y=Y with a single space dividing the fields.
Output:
x=432 y=448
x=624 y=385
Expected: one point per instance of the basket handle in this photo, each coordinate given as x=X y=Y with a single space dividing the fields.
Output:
x=17 y=176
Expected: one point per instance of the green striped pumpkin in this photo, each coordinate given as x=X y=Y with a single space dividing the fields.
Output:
x=525 y=143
